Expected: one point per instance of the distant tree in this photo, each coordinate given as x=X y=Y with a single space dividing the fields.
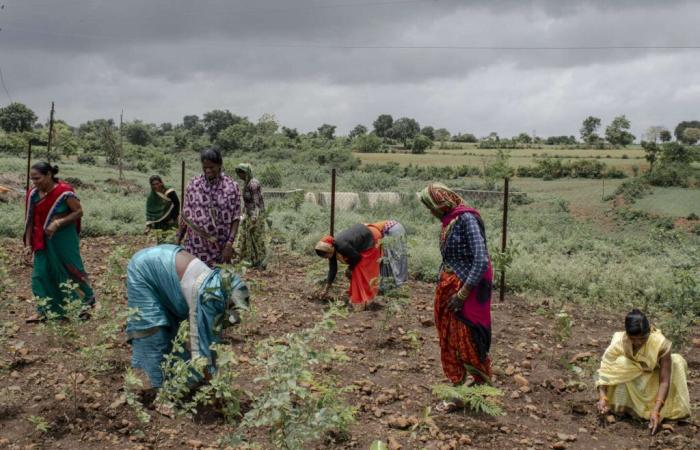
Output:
x=367 y=143
x=524 y=138
x=493 y=136
x=464 y=137
x=138 y=133
x=17 y=117
x=428 y=132
x=651 y=152
x=189 y=122
x=267 y=124
x=616 y=133
x=665 y=136
x=290 y=133
x=359 y=130
x=383 y=124
x=217 y=120
x=404 y=129
x=166 y=127
x=691 y=135
x=680 y=128
x=653 y=133
x=420 y=144
x=442 y=135
x=326 y=131
x=588 y=130
x=237 y=136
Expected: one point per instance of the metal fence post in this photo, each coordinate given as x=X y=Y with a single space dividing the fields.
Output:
x=332 y=202
x=182 y=185
x=504 y=237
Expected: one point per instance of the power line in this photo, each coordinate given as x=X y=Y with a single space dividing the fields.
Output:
x=2 y=80
x=519 y=48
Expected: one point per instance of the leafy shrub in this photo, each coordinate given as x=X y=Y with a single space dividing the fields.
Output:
x=87 y=159
x=480 y=398
x=633 y=189
x=420 y=144
x=671 y=174
x=368 y=143
x=271 y=176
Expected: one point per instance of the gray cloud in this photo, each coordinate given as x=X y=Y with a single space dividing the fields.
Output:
x=161 y=59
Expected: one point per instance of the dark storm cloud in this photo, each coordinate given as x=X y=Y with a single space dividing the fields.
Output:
x=347 y=53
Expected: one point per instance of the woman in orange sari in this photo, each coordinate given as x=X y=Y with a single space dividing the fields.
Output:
x=463 y=294
x=360 y=248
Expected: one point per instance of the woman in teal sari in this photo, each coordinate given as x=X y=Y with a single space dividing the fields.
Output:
x=51 y=232
x=162 y=206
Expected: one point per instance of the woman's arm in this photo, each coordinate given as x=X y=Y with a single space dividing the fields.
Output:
x=664 y=383
x=603 y=407
x=176 y=203
x=76 y=212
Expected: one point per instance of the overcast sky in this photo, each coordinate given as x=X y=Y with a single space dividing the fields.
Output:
x=345 y=62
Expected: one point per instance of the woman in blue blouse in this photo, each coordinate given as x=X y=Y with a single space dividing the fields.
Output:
x=463 y=295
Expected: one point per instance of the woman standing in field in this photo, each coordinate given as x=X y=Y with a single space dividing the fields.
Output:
x=210 y=215
x=51 y=232
x=639 y=375
x=162 y=206
x=463 y=294
x=253 y=227
x=360 y=248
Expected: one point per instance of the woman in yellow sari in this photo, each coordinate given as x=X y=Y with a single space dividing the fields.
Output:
x=640 y=376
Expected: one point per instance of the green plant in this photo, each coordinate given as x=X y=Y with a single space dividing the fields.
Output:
x=297 y=405
x=40 y=424
x=480 y=398
x=132 y=384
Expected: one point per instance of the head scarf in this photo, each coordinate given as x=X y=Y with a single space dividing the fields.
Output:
x=325 y=247
x=440 y=199
x=247 y=169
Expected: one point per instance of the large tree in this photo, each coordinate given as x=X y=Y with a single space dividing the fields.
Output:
x=617 y=132
x=138 y=133
x=217 y=120
x=428 y=132
x=383 y=124
x=17 y=117
x=691 y=135
x=680 y=128
x=654 y=133
x=326 y=131
x=359 y=130
x=588 y=130
x=442 y=134
x=404 y=129
x=189 y=122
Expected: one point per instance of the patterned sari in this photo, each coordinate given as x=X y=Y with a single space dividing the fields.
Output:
x=464 y=337
x=56 y=259
x=210 y=208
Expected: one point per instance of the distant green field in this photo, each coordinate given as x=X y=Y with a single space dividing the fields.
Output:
x=673 y=202
x=481 y=157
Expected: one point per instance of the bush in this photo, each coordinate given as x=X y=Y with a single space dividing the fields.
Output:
x=270 y=176
x=368 y=143
x=671 y=174
x=87 y=159
x=633 y=189
x=420 y=144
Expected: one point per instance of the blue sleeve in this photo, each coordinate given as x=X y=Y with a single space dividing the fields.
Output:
x=477 y=248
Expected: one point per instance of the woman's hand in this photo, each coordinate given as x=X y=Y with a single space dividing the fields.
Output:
x=227 y=253
x=654 y=421
x=456 y=303
x=28 y=254
x=53 y=227
x=602 y=405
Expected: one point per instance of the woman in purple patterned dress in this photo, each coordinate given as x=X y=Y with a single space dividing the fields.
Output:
x=211 y=212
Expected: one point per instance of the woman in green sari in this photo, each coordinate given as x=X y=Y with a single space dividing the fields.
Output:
x=162 y=206
x=253 y=234
x=51 y=232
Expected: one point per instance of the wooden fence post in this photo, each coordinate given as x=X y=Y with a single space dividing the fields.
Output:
x=504 y=237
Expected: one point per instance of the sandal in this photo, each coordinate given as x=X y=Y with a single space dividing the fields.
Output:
x=446 y=407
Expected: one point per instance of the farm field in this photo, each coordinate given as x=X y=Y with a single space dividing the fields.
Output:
x=672 y=202
x=452 y=158
x=392 y=363
x=574 y=255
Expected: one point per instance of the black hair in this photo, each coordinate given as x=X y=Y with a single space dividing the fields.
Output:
x=154 y=178
x=636 y=323
x=211 y=155
x=45 y=168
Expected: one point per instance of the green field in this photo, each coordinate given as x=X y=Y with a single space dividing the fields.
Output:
x=672 y=202
x=519 y=157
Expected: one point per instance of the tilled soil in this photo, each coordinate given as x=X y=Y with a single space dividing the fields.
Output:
x=394 y=360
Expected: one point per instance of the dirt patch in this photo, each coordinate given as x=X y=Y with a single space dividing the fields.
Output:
x=391 y=371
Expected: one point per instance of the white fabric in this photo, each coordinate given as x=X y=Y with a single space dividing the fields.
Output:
x=192 y=279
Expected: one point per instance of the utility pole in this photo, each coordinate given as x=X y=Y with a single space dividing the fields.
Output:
x=48 y=146
x=121 y=145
